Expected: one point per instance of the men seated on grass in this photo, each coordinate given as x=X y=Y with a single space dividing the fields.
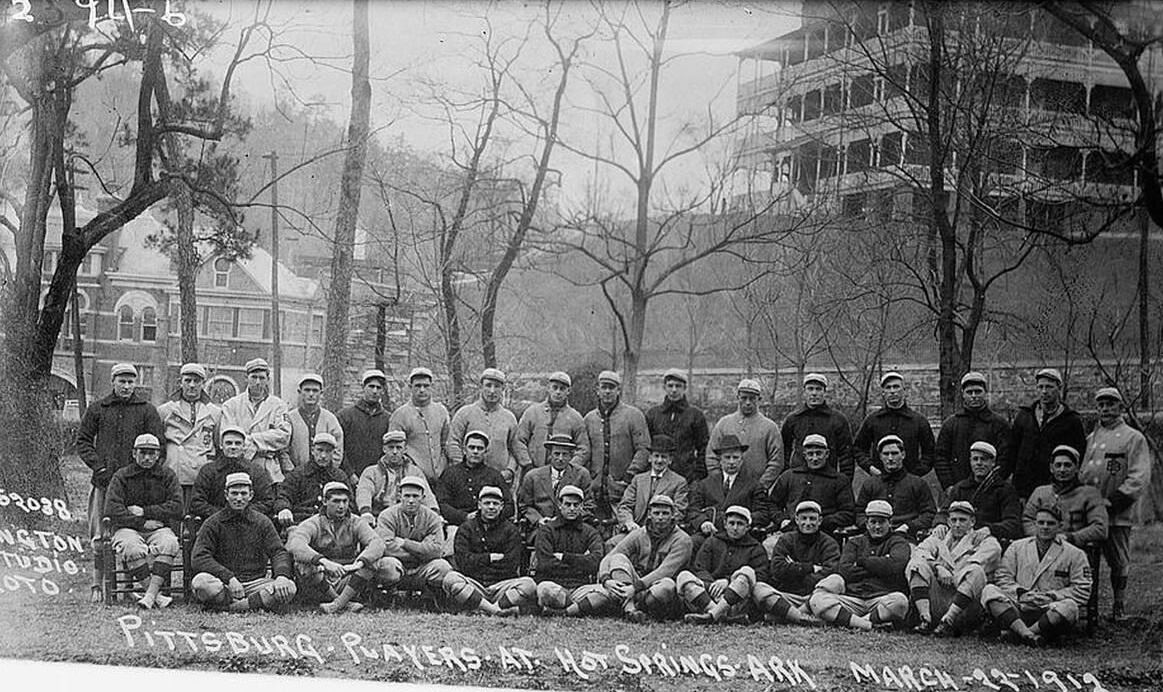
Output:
x=1084 y=515
x=724 y=571
x=335 y=552
x=458 y=491
x=659 y=479
x=949 y=569
x=817 y=480
x=489 y=551
x=911 y=497
x=209 y=493
x=379 y=484
x=728 y=485
x=868 y=589
x=413 y=541
x=567 y=552
x=143 y=504
x=537 y=498
x=300 y=492
x=996 y=501
x=231 y=554
x=638 y=574
x=1041 y=582
x=799 y=560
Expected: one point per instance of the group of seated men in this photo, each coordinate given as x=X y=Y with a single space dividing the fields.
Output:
x=332 y=555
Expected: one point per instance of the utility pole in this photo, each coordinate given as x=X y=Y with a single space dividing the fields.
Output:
x=276 y=336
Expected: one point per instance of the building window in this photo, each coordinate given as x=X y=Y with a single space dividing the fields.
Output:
x=90 y=265
x=217 y=322
x=859 y=154
x=812 y=103
x=67 y=325
x=861 y=91
x=125 y=323
x=1058 y=95
x=317 y=329
x=833 y=99
x=50 y=261
x=890 y=149
x=221 y=272
x=149 y=324
x=252 y=324
x=852 y=206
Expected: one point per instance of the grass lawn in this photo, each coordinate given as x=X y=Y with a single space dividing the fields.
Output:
x=415 y=646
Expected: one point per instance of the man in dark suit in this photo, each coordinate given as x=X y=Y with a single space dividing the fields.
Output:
x=731 y=484
x=537 y=497
x=659 y=479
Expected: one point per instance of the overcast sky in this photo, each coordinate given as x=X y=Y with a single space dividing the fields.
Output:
x=436 y=40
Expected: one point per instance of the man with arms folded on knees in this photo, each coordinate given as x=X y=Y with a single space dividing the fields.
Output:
x=910 y=497
x=364 y=424
x=488 y=549
x=639 y=573
x=724 y=572
x=301 y=492
x=1084 y=518
x=458 y=491
x=232 y=552
x=730 y=483
x=190 y=421
x=209 y=493
x=537 y=498
x=425 y=423
x=413 y=541
x=659 y=479
x=379 y=484
x=816 y=480
x=801 y=559
x=1118 y=464
x=996 y=501
x=144 y=503
x=816 y=417
x=1040 y=584
x=553 y=417
x=567 y=552
x=868 y=589
x=335 y=552
x=762 y=446
x=949 y=569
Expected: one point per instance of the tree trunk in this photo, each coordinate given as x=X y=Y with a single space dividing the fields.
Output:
x=188 y=261
x=633 y=351
x=452 y=352
x=339 y=292
x=1145 y=360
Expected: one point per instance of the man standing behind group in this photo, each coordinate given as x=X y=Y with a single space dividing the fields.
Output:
x=190 y=420
x=684 y=424
x=1038 y=429
x=895 y=418
x=264 y=418
x=619 y=442
x=762 y=450
x=487 y=414
x=551 y=418
x=817 y=418
x=426 y=424
x=310 y=419
x=364 y=424
x=105 y=442
x=975 y=422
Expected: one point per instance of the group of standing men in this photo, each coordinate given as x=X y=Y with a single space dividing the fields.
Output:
x=650 y=513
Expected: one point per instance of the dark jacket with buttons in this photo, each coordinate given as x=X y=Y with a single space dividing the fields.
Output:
x=457 y=489
x=240 y=544
x=826 y=486
x=156 y=490
x=910 y=497
x=105 y=437
x=913 y=429
x=687 y=426
x=794 y=559
x=581 y=549
x=997 y=504
x=477 y=538
x=302 y=490
x=1031 y=445
x=819 y=420
x=961 y=430
x=873 y=567
x=719 y=557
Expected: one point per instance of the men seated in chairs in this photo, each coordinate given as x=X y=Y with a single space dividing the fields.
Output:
x=489 y=552
x=659 y=479
x=209 y=494
x=868 y=589
x=638 y=574
x=567 y=552
x=910 y=497
x=379 y=484
x=300 y=493
x=817 y=480
x=414 y=541
x=537 y=498
x=994 y=498
x=335 y=552
x=800 y=559
x=1041 y=582
x=143 y=504
x=724 y=571
x=1084 y=516
x=731 y=484
x=458 y=491
x=949 y=569
x=233 y=550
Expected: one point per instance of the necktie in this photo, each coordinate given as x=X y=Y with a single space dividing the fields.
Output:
x=726 y=486
x=653 y=484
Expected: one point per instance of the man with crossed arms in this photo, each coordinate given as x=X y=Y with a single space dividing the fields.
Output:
x=724 y=572
x=488 y=549
x=567 y=552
